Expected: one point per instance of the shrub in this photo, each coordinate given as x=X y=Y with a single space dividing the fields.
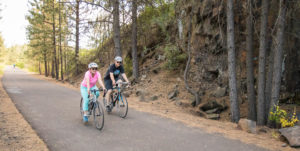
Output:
x=174 y=57
x=128 y=66
x=279 y=116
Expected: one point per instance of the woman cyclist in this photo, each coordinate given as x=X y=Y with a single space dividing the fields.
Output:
x=89 y=83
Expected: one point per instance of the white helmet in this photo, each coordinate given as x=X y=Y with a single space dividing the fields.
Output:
x=118 y=58
x=93 y=65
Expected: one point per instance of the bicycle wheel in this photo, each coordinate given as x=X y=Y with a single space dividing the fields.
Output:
x=81 y=110
x=98 y=116
x=122 y=106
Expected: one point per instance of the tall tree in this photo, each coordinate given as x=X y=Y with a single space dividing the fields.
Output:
x=262 y=63
x=60 y=36
x=54 y=40
x=278 y=54
x=250 y=70
x=187 y=67
x=77 y=35
x=268 y=87
x=135 y=61
x=116 y=27
x=234 y=104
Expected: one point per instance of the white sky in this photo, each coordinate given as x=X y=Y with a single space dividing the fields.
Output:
x=13 y=22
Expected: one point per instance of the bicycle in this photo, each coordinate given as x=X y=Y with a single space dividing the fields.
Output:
x=117 y=98
x=95 y=108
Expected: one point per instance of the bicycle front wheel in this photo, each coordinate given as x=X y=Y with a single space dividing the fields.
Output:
x=122 y=106
x=98 y=116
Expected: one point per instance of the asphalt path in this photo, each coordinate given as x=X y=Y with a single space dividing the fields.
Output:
x=53 y=112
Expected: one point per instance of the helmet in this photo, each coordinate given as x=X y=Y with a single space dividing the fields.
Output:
x=93 y=65
x=118 y=58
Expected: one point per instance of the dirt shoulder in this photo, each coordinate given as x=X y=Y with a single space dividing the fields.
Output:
x=15 y=132
x=269 y=139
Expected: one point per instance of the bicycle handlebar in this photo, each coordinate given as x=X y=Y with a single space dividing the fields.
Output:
x=120 y=82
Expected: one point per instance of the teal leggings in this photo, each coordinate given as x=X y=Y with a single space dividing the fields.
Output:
x=85 y=96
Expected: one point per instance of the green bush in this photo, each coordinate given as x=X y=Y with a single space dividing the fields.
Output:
x=128 y=66
x=33 y=69
x=160 y=16
x=20 y=65
x=175 y=58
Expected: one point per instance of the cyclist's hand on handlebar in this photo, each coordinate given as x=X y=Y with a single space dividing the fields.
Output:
x=128 y=84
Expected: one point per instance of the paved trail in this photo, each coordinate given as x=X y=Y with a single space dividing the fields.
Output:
x=53 y=111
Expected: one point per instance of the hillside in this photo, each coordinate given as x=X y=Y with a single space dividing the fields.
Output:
x=162 y=57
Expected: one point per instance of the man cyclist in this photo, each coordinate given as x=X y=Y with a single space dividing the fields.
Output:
x=112 y=76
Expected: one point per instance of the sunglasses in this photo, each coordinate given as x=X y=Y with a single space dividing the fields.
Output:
x=119 y=62
x=94 y=68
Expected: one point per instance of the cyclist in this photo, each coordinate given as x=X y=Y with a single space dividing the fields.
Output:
x=89 y=83
x=111 y=76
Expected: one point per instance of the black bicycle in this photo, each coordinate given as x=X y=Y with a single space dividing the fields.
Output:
x=118 y=100
x=95 y=109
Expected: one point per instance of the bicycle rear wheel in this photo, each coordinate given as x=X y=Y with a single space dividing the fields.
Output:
x=122 y=106
x=98 y=116
x=81 y=110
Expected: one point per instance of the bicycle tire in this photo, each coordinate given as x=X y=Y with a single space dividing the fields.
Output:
x=122 y=106
x=81 y=110
x=98 y=116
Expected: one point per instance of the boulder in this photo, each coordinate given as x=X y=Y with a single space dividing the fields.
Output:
x=212 y=111
x=143 y=77
x=161 y=57
x=154 y=98
x=178 y=103
x=173 y=94
x=214 y=104
x=140 y=92
x=126 y=94
x=213 y=116
x=219 y=92
x=247 y=125
x=292 y=134
x=142 y=98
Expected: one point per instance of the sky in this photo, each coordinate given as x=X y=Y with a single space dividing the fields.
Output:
x=13 y=23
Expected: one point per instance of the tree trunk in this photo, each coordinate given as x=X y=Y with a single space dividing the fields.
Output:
x=135 y=61
x=187 y=67
x=262 y=63
x=45 y=62
x=234 y=104
x=54 y=42
x=40 y=68
x=77 y=37
x=60 y=50
x=269 y=76
x=250 y=70
x=277 y=68
x=52 y=68
x=116 y=24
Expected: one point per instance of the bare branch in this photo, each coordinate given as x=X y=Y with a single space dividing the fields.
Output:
x=97 y=5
